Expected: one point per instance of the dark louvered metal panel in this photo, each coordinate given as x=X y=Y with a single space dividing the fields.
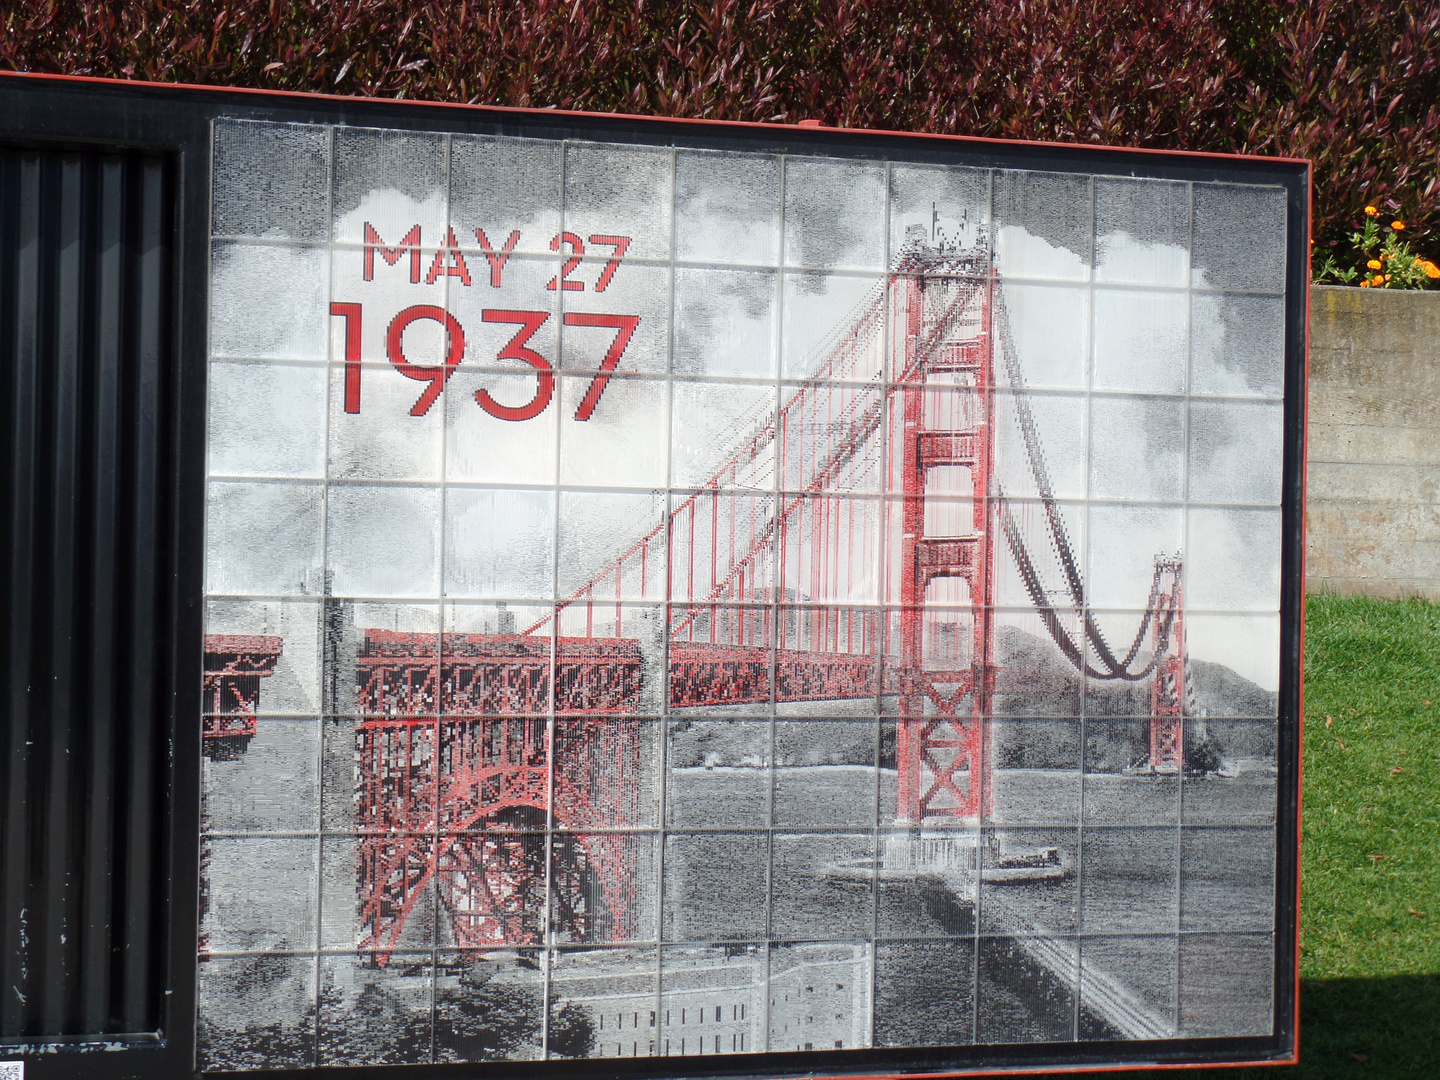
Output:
x=86 y=246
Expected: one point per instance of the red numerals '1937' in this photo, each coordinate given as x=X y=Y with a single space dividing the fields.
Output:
x=515 y=349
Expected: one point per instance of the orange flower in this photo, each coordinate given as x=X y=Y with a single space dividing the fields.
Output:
x=1373 y=264
x=1371 y=211
x=1365 y=284
x=1397 y=225
x=1431 y=270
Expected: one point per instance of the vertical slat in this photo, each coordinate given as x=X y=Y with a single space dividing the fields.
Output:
x=54 y=933
x=96 y=958
x=24 y=311
x=85 y=310
x=150 y=310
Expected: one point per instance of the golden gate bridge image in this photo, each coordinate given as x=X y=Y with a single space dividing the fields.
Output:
x=506 y=773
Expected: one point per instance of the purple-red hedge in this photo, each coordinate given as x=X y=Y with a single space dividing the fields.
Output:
x=1353 y=86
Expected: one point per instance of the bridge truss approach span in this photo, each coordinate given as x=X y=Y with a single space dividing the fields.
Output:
x=774 y=585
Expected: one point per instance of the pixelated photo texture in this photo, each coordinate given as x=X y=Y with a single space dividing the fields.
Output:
x=679 y=602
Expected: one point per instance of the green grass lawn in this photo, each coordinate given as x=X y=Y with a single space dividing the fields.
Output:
x=1370 y=890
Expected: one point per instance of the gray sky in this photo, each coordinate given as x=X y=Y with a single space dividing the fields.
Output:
x=1108 y=355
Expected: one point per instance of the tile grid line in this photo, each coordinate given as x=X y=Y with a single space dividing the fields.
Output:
x=442 y=450
x=663 y=749
x=1187 y=548
x=1088 y=350
x=326 y=589
x=881 y=570
x=992 y=232
x=546 y=929
x=778 y=482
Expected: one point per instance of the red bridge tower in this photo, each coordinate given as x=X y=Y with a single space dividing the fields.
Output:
x=947 y=403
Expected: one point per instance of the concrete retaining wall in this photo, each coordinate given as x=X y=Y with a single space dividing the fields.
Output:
x=1373 y=508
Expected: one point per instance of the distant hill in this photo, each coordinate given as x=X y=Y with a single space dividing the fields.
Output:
x=1037 y=705
x=1037 y=680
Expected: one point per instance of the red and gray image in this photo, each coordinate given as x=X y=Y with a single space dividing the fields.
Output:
x=673 y=602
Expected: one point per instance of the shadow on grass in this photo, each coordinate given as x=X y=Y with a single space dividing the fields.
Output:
x=1394 y=1023
x=1371 y=1028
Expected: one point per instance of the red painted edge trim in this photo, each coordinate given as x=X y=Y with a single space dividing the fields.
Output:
x=511 y=110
